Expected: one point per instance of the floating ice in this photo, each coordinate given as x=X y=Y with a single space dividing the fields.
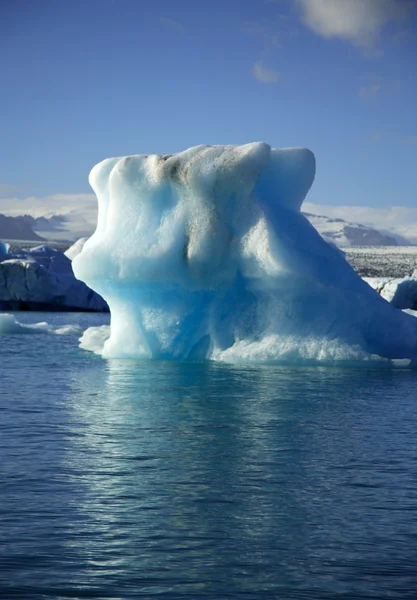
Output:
x=10 y=326
x=400 y=292
x=205 y=254
x=42 y=278
x=94 y=338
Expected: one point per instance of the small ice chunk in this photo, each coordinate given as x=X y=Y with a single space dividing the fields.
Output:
x=94 y=338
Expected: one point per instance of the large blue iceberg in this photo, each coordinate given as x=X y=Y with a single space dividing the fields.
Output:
x=205 y=255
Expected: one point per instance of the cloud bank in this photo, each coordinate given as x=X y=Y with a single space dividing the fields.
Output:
x=357 y=21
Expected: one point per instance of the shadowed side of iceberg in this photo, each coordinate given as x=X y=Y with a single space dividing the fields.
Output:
x=205 y=254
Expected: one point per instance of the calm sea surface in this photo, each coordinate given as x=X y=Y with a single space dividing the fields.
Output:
x=129 y=479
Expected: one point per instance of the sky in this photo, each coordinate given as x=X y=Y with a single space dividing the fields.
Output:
x=83 y=80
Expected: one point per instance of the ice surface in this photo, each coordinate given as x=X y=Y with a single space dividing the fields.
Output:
x=4 y=249
x=76 y=248
x=205 y=254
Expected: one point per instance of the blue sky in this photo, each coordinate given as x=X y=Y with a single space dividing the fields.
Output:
x=83 y=80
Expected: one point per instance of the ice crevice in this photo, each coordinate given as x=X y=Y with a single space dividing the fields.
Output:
x=205 y=254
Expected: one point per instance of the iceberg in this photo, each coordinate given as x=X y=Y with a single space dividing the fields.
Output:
x=42 y=279
x=205 y=254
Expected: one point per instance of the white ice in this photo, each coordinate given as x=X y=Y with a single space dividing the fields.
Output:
x=94 y=338
x=76 y=248
x=206 y=255
x=400 y=292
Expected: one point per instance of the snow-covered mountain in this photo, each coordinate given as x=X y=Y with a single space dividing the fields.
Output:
x=345 y=234
x=399 y=222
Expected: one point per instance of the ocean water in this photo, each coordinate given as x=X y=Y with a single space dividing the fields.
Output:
x=129 y=479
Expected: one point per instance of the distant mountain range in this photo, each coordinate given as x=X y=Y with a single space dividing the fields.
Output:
x=18 y=228
x=27 y=228
x=343 y=234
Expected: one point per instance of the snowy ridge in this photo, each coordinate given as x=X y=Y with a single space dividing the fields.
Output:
x=399 y=222
x=345 y=234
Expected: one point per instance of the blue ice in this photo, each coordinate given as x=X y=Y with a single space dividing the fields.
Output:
x=205 y=255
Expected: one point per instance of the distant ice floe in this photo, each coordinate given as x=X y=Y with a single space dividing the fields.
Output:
x=10 y=326
x=205 y=255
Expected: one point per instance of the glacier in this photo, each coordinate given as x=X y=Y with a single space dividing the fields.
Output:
x=205 y=254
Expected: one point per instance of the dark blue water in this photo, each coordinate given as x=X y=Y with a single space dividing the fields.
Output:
x=129 y=479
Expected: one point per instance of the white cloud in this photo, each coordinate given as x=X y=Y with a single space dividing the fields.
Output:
x=264 y=74
x=357 y=21
x=172 y=24
x=401 y=220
